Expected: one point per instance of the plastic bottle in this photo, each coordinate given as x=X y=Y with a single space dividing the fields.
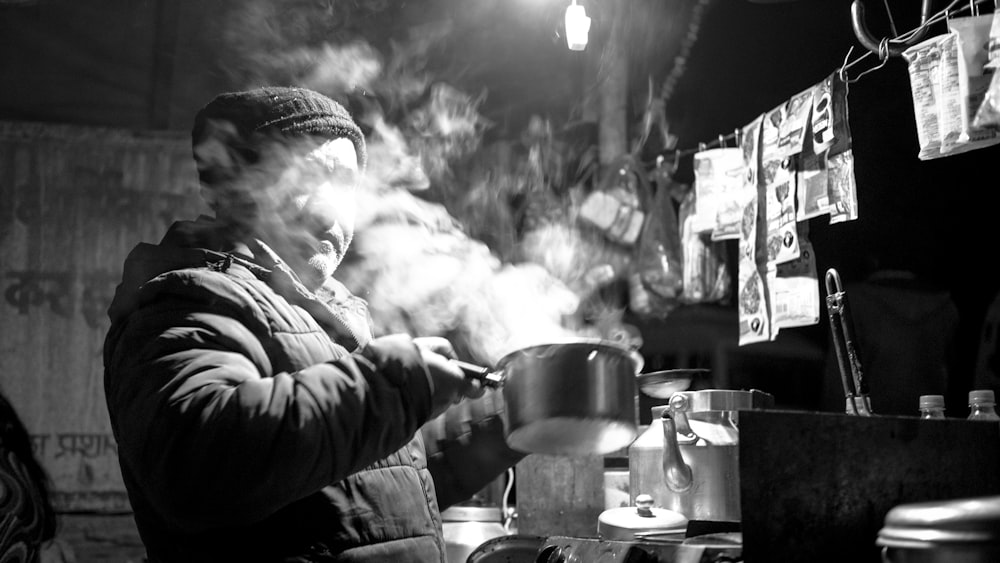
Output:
x=932 y=406
x=982 y=405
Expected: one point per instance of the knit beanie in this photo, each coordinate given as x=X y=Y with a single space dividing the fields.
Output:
x=250 y=117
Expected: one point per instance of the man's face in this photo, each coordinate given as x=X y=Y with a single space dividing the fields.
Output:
x=317 y=204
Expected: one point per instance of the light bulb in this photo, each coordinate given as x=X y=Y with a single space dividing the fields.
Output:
x=577 y=27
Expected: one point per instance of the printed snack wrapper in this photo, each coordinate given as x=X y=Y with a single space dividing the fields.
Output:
x=752 y=298
x=988 y=114
x=924 y=66
x=796 y=125
x=843 y=187
x=755 y=324
x=989 y=111
x=718 y=181
x=974 y=76
x=951 y=132
x=830 y=126
x=795 y=294
x=811 y=193
x=782 y=241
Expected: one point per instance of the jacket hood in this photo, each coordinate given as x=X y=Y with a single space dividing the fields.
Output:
x=187 y=244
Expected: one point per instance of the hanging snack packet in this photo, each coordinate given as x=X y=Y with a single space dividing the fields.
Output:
x=795 y=293
x=993 y=46
x=793 y=130
x=974 y=76
x=811 y=184
x=843 y=188
x=951 y=132
x=754 y=316
x=924 y=66
x=718 y=177
x=779 y=190
x=830 y=126
x=752 y=297
x=989 y=111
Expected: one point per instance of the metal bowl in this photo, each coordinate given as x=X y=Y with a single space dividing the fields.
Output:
x=664 y=383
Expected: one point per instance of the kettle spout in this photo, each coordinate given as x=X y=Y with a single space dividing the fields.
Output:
x=676 y=473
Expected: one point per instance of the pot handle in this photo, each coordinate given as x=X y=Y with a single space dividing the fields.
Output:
x=486 y=376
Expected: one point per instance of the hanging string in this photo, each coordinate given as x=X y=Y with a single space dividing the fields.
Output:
x=883 y=55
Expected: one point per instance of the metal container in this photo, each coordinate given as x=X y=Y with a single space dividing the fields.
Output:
x=574 y=397
x=688 y=458
x=467 y=527
x=963 y=530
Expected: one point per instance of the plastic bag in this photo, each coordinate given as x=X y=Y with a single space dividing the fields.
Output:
x=705 y=274
x=615 y=208
x=659 y=260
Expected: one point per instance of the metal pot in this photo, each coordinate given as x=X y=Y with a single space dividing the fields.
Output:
x=571 y=397
x=965 y=530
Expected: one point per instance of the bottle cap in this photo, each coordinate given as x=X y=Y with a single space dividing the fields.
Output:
x=980 y=396
x=931 y=401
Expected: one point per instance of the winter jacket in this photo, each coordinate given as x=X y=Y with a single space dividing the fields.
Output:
x=259 y=421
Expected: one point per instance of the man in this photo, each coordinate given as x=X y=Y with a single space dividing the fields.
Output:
x=257 y=418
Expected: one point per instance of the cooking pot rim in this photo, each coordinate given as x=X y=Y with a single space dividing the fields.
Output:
x=578 y=341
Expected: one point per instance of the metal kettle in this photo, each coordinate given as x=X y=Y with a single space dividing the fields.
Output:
x=688 y=458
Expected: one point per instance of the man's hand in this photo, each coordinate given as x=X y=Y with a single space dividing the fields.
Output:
x=449 y=385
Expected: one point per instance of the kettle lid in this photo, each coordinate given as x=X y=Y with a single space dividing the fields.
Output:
x=625 y=522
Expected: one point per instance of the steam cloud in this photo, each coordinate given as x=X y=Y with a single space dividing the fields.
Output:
x=413 y=259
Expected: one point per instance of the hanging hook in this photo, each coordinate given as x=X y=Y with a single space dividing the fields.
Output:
x=892 y=47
